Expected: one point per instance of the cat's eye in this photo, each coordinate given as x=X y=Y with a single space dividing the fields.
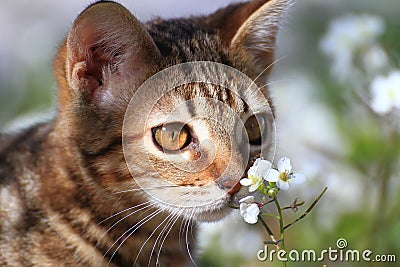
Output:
x=255 y=126
x=171 y=136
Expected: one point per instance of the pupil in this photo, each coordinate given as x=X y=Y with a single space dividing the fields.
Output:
x=172 y=136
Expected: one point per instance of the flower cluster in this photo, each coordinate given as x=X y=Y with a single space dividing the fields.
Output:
x=351 y=42
x=349 y=35
x=267 y=180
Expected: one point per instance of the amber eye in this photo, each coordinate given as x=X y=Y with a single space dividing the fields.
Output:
x=171 y=136
x=255 y=127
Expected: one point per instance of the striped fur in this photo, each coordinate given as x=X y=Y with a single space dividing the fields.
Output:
x=67 y=197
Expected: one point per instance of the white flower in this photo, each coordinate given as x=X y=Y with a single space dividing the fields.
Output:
x=249 y=210
x=256 y=174
x=347 y=35
x=284 y=176
x=386 y=93
x=375 y=59
x=342 y=66
x=350 y=32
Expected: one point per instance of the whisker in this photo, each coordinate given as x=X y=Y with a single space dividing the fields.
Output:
x=158 y=237
x=169 y=218
x=191 y=231
x=183 y=225
x=269 y=66
x=148 y=238
x=120 y=220
x=166 y=235
x=187 y=239
x=181 y=231
x=273 y=82
x=143 y=188
x=133 y=229
x=122 y=211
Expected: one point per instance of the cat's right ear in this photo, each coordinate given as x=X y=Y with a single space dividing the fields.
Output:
x=105 y=46
x=250 y=30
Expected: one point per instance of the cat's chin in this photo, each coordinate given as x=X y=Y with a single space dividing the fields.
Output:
x=223 y=207
x=214 y=214
x=213 y=211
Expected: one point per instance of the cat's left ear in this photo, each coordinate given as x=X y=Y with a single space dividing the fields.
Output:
x=105 y=47
x=250 y=30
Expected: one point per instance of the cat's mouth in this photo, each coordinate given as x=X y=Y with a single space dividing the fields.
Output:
x=222 y=207
x=235 y=189
x=207 y=203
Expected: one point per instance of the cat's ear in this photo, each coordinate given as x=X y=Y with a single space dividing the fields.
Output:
x=250 y=30
x=105 y=46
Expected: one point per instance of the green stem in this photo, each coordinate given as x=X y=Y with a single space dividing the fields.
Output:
x=269 y=231
x=379 y=221
x=270 y=215
x=308 y=210
x=281 y=228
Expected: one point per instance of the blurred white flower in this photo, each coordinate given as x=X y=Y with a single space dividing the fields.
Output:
x=351 y=32
x=256 y=174
x=249 y=210
x=386 y=93
x=342 y=66
x=345 y=36
x=284 y=176
x=374 y=59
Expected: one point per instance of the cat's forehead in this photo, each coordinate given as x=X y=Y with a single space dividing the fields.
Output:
x=215 y=93
x=205 y=100
x=185 y=40
x=196 y=93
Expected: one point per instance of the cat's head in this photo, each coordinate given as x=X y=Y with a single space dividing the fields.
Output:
x=168 y=111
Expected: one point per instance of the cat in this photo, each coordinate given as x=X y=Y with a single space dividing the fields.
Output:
x=79 y=190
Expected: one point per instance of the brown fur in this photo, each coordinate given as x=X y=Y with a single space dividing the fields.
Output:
x=61 y=181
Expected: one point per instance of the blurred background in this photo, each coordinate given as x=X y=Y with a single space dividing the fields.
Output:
x=336 y=89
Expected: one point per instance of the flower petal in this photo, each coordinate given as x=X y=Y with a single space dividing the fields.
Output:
x=248 y=199
x=282 y=185
x=242 y=209
x=245 y=182
x=251 y=214
x=273 y=176
x=253 y=169
x=263 y=167
x=254 y=187
x=284 y=165
x=297 y=178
